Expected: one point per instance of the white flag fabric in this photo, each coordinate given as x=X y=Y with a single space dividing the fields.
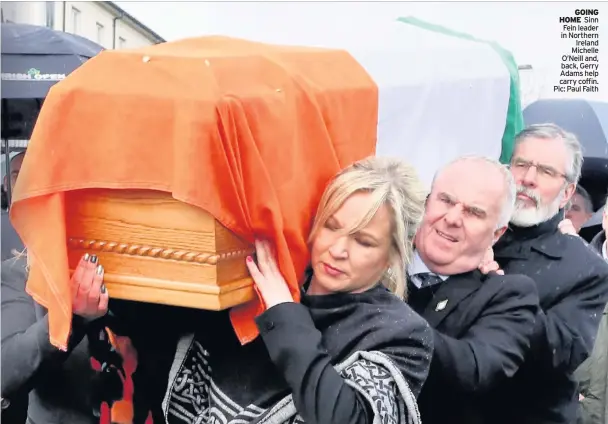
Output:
x=440 y=96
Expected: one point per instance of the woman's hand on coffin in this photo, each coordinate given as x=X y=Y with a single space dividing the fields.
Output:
x=89 y=295
x=268 y=280
x=488 y=264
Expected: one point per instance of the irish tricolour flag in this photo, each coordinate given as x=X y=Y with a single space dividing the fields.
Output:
x=442 y=94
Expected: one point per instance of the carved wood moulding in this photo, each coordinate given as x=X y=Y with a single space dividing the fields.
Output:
x=155 y=251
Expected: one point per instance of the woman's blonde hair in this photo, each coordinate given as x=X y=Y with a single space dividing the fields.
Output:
x=17 y=255
x=393 y=183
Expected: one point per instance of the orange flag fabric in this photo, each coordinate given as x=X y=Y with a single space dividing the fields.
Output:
x=247 y=131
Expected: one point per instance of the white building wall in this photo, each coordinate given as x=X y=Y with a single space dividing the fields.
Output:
x=24 y=12
x=131 y=37
x=88 y=19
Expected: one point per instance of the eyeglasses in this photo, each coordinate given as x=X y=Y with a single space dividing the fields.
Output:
x=521 y=166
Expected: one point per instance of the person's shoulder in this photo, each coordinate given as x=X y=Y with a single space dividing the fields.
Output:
x=582 y=253
x=497 y=282
x=574 y=242
x=381 y=302
x=14 y=270
x=511 y=284
x=396 y=311
x=14 y=278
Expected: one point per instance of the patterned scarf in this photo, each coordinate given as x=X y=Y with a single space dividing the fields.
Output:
x=214 y=380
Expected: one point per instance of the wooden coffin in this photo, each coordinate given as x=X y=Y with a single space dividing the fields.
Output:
x=157 y=249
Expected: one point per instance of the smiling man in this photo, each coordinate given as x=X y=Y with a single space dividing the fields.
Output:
x=571 y=279
x=482 y=324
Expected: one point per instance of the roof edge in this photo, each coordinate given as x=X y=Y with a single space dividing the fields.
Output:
x=120 y=12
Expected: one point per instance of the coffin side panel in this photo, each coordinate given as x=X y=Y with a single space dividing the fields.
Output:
x=157 y=249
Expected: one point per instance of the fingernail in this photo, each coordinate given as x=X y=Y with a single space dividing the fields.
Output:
x=94 y=259
x=103 y=289
x=249 y=259
x=99 y=270
x=86 y=257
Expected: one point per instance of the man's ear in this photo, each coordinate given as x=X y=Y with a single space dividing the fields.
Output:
x=498 y=234
x=568 y=193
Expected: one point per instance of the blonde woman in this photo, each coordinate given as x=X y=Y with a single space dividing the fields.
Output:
x=352 y=352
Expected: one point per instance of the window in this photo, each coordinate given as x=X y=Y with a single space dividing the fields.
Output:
x=50 y=14
x=100 y=33
x=75 y=20
x=122 y=43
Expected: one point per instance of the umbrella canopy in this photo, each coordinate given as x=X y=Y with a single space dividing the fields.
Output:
x=587 y=119
x=34 y=58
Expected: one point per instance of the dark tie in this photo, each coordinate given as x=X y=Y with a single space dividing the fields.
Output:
x=419 y=297
x=428 y=279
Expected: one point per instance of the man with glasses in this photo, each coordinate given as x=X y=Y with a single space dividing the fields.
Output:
x=571 y=279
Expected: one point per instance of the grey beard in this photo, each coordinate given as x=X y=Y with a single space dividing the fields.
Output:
x=529 y=217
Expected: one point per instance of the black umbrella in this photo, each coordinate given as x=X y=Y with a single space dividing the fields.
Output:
x=589 y=121
x=34 y=58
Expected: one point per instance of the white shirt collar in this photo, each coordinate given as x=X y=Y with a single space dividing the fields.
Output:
x=418 y=267
x=605 y=250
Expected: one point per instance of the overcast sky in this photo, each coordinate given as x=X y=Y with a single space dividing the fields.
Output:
x=529 y=29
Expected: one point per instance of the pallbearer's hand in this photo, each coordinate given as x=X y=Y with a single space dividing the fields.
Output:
x=269 y=282
x=567 y=227
x=488 y=264
x=89 y=295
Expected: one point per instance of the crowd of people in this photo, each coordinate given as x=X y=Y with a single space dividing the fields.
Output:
x=469 y=304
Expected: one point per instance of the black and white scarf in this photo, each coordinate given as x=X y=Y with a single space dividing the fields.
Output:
x=356 y=330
